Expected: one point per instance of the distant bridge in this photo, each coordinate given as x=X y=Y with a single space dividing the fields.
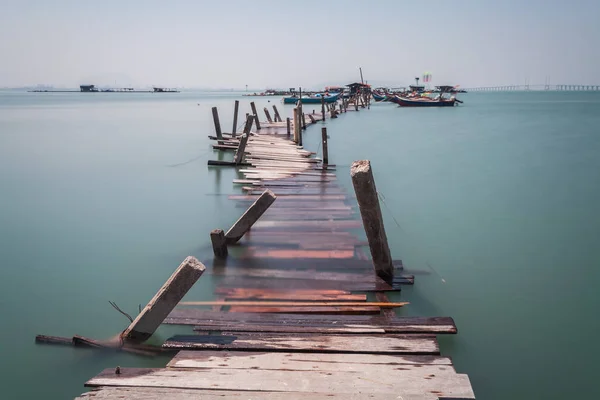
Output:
x=510 y=88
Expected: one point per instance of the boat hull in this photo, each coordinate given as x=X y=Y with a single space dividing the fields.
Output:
x=378 y=97
x=403 y=102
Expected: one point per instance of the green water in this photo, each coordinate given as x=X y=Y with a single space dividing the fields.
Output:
x=103 y=195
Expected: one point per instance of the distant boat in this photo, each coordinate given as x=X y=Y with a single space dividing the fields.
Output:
x=315 y=99
x=379 y=97
x=423 y=102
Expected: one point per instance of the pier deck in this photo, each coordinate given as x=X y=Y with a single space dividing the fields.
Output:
x=284 y=339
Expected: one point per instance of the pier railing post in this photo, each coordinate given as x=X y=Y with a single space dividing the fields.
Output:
x=249 y=218
x=324 y=142
x=277 y=116
x=219 y=243
x=164 y=301
x=215 y=114
x=289 y=127
x=370 y=211
x=253 y=106
x=236 y=108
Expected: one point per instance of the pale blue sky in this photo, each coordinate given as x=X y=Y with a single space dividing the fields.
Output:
x=263 y=43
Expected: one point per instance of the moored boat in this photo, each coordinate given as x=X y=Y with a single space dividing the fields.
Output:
x=315 y=99
x=379 y=96
x=423 y=102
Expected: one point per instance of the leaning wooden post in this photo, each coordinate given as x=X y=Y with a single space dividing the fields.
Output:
x=370 y=211
x=289 y=128
x=239 y=155
x=236 y=108
x=219 y=243
x=255 y=115
x=325 y=150
x=215 y=114
x=276 y=115
x=268 y=115
x=164 y=301
x=252 y=214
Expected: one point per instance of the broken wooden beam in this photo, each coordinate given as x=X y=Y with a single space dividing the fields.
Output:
x=277 y=116
x=253 y=106
x=164 y=301
x=370 y=211
x=268 y=115
x=251 y=215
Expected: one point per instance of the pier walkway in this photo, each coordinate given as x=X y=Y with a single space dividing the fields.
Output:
x=301 y=312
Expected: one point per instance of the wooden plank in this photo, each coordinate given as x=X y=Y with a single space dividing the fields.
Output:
x=265 y=283
x=291 y=274
x=350 y=362
x=373 y=344
x=316 y=263
x=309 y=323
x=157 y=393
x=329 y=310
x=266 y=303
x=404 y=382
x=240 y=295
x=161 y=393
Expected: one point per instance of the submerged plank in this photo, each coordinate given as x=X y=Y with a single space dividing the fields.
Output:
x=343 y=310
x=375 y=344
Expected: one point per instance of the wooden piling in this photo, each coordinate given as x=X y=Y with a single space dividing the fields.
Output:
x=370 y=211
x=289 y=128
x=219 y=243
x=215 y=114
x=253 y=106
x=323 y=107
x=303 y=121
x=277 y=116
x=239 y=155
x=236 y=108
x=164 y=301
x=296 y=124
x=268 y=115
x=324 y=142
x=251 y=215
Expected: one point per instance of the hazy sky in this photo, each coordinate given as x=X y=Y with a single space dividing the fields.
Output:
x=263 y=43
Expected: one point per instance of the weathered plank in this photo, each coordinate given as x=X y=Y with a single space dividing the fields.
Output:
x=310 y=323
x=159 y=393
x=351 y=362
x=316 y=263
x=374 y=344
x=328 y=310
x=401 y=382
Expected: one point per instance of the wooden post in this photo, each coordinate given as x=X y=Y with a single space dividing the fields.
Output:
x=356 y=102
x=217 y=123
x=252 y=214
x=300 y=127
x=277 y=116
x=235 y=117
x=164 y=301
x=289 y=128
x=370 y=211
x=303 y=121
x=268 y=115
x=296 y=124
x=239 y=155
x=323 y=107
x=324 y=142
x=219 y=243
x=255 y=115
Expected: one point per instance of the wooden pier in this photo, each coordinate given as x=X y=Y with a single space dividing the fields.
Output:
x=301 y=309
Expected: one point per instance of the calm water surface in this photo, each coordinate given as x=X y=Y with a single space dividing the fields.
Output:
x=103 y=195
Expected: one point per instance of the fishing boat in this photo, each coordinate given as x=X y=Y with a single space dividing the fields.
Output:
x=379 y=96
x=314 y=99
x=423 y=101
